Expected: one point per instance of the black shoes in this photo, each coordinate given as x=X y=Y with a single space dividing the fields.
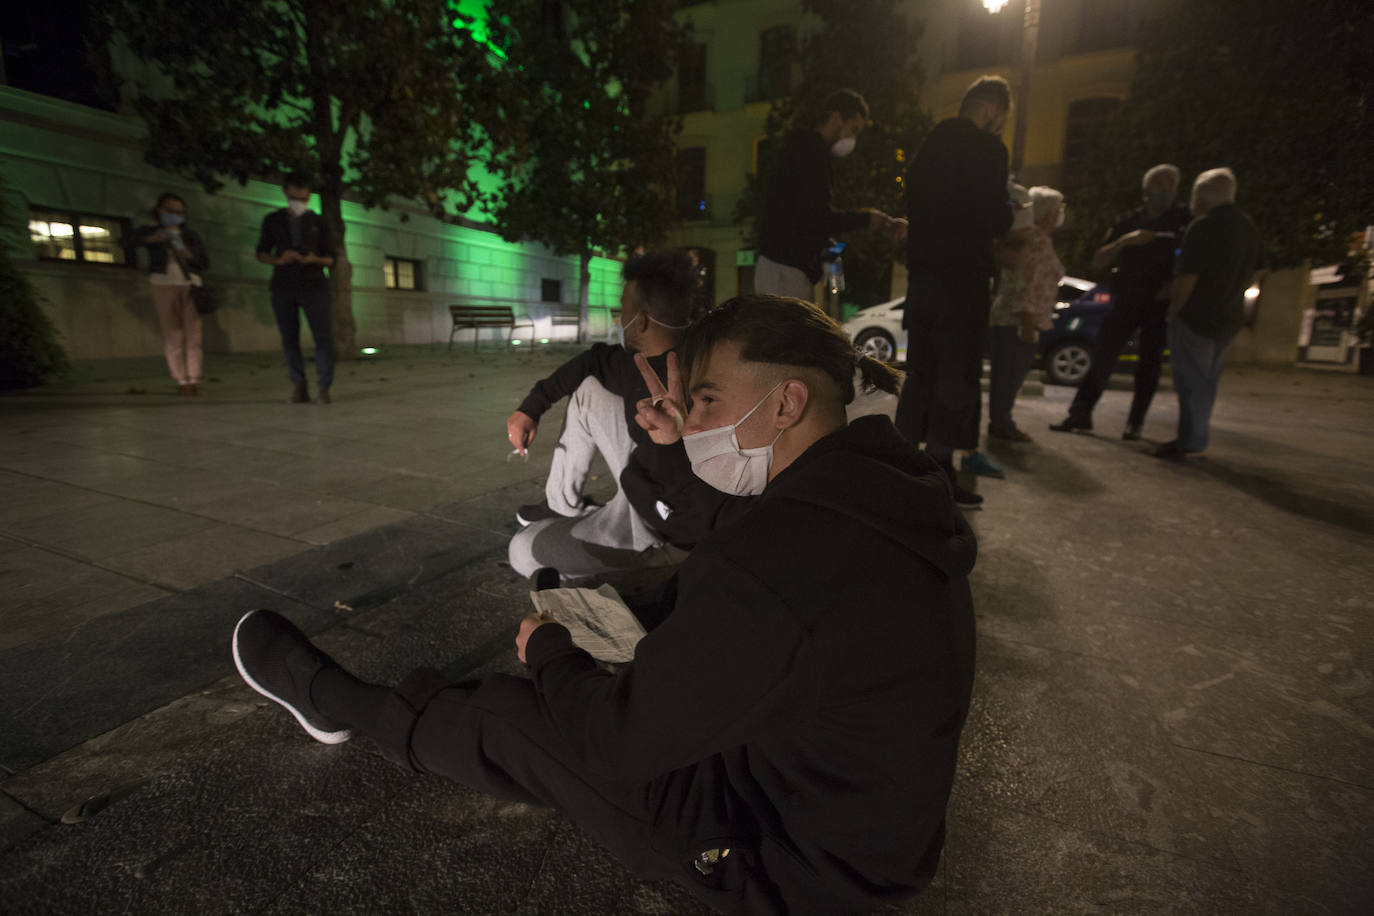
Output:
x=965 y=498
x=1073 y=424
x=1172 y=451
x=1131 y=433
x=300 y=394
x=278 y=661
x=324 y=396
x=1011 y=435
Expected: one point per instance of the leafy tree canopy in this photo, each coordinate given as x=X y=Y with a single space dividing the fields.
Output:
x=869 y=47
x=1282 y=95
x=589 y=169
x=371 y=99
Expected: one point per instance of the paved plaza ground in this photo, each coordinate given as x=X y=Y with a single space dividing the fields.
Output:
x=1173 y=712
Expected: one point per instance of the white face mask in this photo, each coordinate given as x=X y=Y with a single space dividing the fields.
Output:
x=843 y=147
x=297 y=207
x=620 y=329
x=717 y=458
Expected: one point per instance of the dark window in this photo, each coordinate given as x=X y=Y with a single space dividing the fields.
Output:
x=691 y=183
x=1087 y=120
x=766 y=150
x=61 y=235
x=691 y=79
x=980 y=39
x=403 y=273
x=777 y=50
x=550 y=290
x=1104 y=24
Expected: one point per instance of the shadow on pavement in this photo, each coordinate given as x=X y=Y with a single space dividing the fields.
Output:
x=1283 y=495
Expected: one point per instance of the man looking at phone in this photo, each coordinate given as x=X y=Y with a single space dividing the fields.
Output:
x=298 y=245
x=1142 y=245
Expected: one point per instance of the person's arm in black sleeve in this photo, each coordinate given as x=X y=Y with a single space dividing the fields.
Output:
x=264 y=249
x=809 y=182
x=705 y=680
x=599 y=361
x=200 y=258
x=992 y=206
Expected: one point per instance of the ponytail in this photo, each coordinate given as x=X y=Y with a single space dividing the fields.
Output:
x=878 y=375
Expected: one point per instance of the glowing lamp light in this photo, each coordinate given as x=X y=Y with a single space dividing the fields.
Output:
x=369 y=351
x=994 y=6
x=543 y=340
x=515 y=342
x=1252 y=293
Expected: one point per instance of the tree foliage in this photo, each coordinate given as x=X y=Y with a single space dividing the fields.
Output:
x=30 y=352
x=590 y=170
x=869 y=47
x=370 y=99
x=1283 y=96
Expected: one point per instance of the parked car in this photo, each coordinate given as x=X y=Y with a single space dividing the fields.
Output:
x=877 y=331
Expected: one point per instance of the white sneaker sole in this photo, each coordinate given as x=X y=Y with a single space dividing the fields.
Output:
x=324 y=737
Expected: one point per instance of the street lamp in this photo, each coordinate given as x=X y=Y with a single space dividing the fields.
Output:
x=1030 y=33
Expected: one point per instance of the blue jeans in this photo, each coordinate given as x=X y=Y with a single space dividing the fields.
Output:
x=287 y=305
x=1197 y=363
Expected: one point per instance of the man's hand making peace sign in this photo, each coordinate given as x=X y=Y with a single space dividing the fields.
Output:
x=662 y=413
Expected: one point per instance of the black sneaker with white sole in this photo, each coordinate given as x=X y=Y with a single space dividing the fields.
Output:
x=540 y=511
x=278 y=661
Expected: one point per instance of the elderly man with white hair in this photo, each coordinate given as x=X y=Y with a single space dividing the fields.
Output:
x=1142 y=246
x=1220 y=253
x=1024 y=307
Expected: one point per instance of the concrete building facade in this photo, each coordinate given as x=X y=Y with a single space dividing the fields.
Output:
x=76 y=176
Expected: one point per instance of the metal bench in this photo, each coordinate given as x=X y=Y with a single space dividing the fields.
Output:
x=477 y=317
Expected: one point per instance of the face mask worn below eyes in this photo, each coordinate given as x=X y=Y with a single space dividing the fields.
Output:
x=297 y=207
x=1160 y=200
x=171 y=219
x=843 y=147
x=717 y=458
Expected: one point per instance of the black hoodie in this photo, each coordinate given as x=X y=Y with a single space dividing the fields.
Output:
x=805 y=697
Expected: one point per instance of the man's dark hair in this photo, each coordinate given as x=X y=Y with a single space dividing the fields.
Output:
x=782 y=331
x=296 y=180
x=846 y=102
x=668 y=280
x=986 y=89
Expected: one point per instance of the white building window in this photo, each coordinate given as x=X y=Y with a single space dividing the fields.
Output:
x=61 y=235
x=403 y=273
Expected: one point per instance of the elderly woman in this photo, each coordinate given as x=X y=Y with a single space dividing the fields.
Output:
x=1023 y=308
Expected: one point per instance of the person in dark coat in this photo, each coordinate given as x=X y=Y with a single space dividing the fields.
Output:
x=957 y=205
x=785 y=740
x=798 y=220
x=1142 y=245
x=298 y=244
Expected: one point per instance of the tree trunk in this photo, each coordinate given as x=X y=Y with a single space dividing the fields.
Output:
x=584 y=307
x=340 y=282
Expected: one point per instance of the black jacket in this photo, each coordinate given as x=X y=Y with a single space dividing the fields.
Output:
x=658 y=479
x=804 y=699
x=158 y=252
x=957 y=201
x=315 y=239
x=798 y=220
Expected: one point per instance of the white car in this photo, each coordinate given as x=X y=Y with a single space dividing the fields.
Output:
x=877 y=330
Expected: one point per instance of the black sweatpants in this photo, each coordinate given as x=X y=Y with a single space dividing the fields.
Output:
x=1148 y=315
x=492 y=737
x=947 y=324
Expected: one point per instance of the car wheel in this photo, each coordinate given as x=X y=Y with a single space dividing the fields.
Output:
x=876 y=343
x=1068 y=363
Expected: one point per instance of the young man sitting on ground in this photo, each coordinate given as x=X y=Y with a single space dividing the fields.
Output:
x=659 y=506
x=786 y=739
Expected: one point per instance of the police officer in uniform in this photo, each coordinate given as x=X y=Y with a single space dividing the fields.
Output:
x=1142 y=245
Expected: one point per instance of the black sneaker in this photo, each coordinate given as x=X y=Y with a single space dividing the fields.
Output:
x=540 y=511
x=966 y=498
x=1131 y=433
x=279 y=662
x=1073 y=424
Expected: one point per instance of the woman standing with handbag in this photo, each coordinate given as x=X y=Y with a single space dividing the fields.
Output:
x=176 y=256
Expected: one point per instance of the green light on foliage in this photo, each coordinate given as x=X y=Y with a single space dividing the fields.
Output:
x=480 y=14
